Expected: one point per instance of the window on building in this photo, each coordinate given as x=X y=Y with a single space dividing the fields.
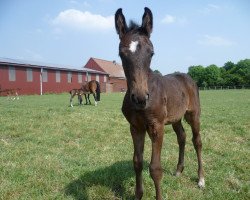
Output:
x=69 y=77
x=79 y=78
x=89 y=77
x=86 y=77
x=45 y=75
x=12 y=74
x=97 y=77
x=105 y=79
x=58 y=76
x=29 y=75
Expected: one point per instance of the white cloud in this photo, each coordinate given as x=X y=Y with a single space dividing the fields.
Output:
x=168 y=19
x=209 y=9
x=76 y=3
x=79 y=20
x=208 y=40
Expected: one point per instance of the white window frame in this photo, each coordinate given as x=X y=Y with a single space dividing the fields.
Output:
x=89 y=77
x=12 y=73
x=97 y=77
x=45 y=75
x=29 y=74
x=79 y=77
x=69 y=77
x=58 y=76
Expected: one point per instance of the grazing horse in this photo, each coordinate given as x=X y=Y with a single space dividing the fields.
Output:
x=86 y=89
x=153 y=101
x=92 y=87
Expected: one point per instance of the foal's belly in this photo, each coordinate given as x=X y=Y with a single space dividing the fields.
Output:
x=175 y=112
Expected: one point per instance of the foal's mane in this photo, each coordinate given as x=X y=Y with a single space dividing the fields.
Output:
x=135 y=28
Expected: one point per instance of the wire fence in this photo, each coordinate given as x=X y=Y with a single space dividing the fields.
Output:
x=225 y=87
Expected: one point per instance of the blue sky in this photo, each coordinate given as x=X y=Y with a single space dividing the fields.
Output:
x=69 y=32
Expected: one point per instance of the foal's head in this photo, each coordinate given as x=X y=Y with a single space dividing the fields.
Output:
x=136 y=51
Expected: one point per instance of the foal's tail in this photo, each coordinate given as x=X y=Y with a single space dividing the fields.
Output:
x=98 y=91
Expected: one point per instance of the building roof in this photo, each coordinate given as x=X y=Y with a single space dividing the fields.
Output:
x=34 y=64
x=113 y=68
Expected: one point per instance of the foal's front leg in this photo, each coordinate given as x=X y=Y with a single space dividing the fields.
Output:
x=156 y=135
x=138 y=141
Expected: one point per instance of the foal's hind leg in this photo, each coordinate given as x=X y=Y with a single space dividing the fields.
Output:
x=194 y=120
x=181 y=138
x=80 y=100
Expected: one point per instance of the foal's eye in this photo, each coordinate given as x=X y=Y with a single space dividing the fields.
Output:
x=152 y=53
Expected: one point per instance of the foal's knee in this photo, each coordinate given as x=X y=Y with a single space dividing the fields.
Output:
x=197 y=141
x=155 y=172
x=138 y=164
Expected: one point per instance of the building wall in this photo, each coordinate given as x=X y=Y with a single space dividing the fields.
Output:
x=21 y=80
x=50 y=86
x=113 y=84
x=118 y=85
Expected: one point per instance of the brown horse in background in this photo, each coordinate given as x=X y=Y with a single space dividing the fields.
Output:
x=153 y=101
x=91 y=87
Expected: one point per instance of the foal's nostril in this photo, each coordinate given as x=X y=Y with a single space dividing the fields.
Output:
x=134 y=99
x=147 y=96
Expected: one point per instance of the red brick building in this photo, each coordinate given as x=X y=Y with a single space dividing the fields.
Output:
x=117 y=81
x=40 y=78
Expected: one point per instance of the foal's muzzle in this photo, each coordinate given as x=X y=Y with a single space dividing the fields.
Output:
x=140 y=101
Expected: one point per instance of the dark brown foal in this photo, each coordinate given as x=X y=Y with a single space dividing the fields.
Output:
x=153 y=101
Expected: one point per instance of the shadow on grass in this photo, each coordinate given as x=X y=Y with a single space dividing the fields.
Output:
x=112 y=177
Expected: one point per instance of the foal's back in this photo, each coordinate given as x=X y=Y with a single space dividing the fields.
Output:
x=177 y=93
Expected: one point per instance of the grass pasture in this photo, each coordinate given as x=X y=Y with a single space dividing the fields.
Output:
x=52 y=151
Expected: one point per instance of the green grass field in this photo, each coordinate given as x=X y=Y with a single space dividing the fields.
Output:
x=52 y=151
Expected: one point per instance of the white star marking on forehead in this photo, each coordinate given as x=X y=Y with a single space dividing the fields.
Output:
x=133 y=46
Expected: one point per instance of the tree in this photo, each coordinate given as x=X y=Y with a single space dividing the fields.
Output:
x=157 y=72
x=197 y=73
x=229 y=75
x=228 y=65
x=243 y=70
x=212 y=75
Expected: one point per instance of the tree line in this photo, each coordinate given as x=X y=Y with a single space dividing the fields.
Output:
x=229 y=75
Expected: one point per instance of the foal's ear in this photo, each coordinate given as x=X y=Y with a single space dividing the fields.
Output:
x=147 y=21
x=120 y=23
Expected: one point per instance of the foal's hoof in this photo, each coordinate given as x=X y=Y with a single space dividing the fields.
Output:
x=177 y=173
x=201 y=183
x=179 y=170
